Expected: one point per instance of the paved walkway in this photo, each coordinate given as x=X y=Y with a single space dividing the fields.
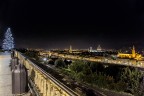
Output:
x=5 y=75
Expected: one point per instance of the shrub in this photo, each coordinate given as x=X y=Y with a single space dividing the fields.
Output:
x=59 y=63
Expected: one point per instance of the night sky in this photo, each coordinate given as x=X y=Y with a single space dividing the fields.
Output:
x=58 y=24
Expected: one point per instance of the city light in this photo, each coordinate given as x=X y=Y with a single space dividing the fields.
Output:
x=45 y=59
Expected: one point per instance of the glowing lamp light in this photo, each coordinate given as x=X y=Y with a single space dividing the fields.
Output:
x=44 y=59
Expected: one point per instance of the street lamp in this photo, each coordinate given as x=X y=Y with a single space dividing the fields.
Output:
x=45 y=59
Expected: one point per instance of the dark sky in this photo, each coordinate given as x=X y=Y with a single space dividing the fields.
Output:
x=58 y=24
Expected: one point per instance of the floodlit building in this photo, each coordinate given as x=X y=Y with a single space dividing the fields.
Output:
x=99 y=49
x=133 y=55
x=90 y=49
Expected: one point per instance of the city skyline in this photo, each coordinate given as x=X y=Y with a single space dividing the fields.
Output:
x=83 y=24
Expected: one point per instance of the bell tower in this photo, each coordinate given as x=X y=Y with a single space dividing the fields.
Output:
x=133 y=52
x=70 y=50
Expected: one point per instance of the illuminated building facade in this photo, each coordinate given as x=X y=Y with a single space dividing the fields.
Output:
x=99 y=49
x=133 y=55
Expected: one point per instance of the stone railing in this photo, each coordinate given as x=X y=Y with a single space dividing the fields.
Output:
x=44 y=82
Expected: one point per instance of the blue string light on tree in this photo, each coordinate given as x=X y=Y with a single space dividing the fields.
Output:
x=8 y=42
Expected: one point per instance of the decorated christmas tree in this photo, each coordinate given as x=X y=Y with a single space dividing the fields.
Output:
x=8 y=42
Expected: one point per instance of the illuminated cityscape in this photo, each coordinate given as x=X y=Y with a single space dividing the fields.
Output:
x=68 y=48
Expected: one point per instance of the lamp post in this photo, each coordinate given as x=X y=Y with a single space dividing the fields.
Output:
x=44 y=59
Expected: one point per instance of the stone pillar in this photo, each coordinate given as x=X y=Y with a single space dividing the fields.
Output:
x=57 y=92
x=44 y=87
x=53 y=91
x=64 y=93
x=48 y=88
x=36 y=78
x=39 y=80
x=41 y=83
x=26 y=64
x=29 y=71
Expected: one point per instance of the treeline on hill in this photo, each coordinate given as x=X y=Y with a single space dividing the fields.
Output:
x=112 y=77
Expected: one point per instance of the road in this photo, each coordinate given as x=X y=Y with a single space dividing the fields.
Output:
x=126 y=62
